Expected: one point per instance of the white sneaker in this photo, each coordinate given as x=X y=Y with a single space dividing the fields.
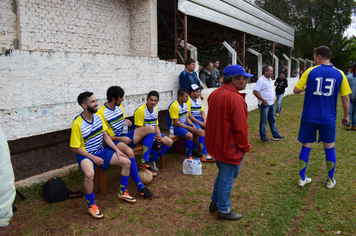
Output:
x=301 y=182
x=331 y=185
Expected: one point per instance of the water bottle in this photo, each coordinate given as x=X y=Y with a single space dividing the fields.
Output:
x=125 y=127
x=171 y=131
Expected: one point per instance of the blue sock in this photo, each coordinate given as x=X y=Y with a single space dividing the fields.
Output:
x=90 y=198
x=202 y=146
x=303 y=161
x=330 y=158
x=124 y=183
x=147 y=145
x=188 y=147
x=154 y=154
x=134 y=174
x=164 y=149
x=195 y=146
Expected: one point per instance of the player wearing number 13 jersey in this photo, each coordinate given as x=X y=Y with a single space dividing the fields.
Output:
x=323 y=83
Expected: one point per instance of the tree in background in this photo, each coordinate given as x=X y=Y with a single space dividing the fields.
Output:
x=316 y=22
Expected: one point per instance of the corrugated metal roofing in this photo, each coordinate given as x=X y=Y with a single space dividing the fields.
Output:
x=242 y=16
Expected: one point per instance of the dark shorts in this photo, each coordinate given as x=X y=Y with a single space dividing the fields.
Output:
x=104 y=154
x=307 y=132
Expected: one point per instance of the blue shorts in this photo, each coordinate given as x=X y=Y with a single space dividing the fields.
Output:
x=130 y=135
x=181 y=132
x=104 y=154
x=307 y=132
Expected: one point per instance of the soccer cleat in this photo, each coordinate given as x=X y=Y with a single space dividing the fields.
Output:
x=154 y=174
x=190 y=158
x=196 y=153
x=148 y=166
x=347 y=128
x=95 y=212
x=354 y=127
x=301 y=182
x=213 y=207
x=146 y=193
x=277 y=114
x=331 y=185
x=277 y=138
x=265 y=140
x=208 y=159
x=126 y=196
x=154 y=163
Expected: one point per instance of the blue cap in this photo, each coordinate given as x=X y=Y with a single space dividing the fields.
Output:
x=235 y=70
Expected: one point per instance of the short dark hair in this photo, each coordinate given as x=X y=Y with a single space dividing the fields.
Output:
x=265 y=68
x=189 y=61
x=323 y=51
x=153 y=93
x=182 y=91
x=83 y=97
x=215 y=61
x=228 y=79
x=114 y=92
x=208 y=63
x=354 y=68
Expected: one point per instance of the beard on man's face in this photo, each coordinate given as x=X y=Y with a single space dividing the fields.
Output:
x=92 y=109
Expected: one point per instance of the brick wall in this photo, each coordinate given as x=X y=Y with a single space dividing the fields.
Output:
x=7 y=23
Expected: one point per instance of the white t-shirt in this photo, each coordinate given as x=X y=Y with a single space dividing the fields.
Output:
x=266 y=88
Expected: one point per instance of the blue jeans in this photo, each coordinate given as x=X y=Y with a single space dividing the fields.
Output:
x=352 y=114
x=223 y=185
x=279 y=98
x=267 y=113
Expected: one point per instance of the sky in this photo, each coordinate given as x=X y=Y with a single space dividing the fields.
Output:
x=351 y=30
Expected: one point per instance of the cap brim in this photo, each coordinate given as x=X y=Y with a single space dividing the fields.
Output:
x=247 y=75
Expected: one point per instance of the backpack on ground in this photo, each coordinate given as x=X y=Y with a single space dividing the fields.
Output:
x=55 y=190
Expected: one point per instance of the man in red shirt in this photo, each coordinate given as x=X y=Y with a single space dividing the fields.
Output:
x=227 y=137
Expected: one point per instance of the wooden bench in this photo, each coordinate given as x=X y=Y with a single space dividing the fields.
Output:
x=100 y=173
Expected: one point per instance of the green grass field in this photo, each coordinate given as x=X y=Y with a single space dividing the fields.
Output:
x=265 y=192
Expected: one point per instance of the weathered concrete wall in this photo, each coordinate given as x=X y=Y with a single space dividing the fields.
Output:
x=7 y=23
x=39 y=89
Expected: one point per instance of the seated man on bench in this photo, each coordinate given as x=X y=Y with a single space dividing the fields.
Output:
x=197 y=115
x=113 y=115
x=86 y=141
x=147 y=115
x=177 y=115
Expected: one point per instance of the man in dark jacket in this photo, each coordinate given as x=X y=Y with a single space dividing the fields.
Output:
x=281 y=85
x=226 y=137
x=207 y=76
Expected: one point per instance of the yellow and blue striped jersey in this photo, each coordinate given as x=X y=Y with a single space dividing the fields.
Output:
x=114 y=119
x=178 y=111
x=88 y=136
x=144 y=117
x=195 y=107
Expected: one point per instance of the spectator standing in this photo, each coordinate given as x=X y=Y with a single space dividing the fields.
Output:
x=281 y=84
x=265 y=95
x=188 y=76
x=228 y=141
x=323 y=84
x=7 y=190
x=207 y=77
x=351 y=78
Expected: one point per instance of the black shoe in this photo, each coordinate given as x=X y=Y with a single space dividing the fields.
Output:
x=213 y=207
x=196 y=153
x=146 y=193
x=229 y=216
x=265 y=140
x=148 y=166
x=277 y=138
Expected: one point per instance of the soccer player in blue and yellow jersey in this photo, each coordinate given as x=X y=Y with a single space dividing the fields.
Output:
x=86 y=141
x=113 y=115
x=177 y=116
x=322 y=85
x=197 y=115
x=147 y=115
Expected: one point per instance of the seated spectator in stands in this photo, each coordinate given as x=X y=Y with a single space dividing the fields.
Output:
x=216 y=71
x=188 y=76
x=177 y=115
x=220 y=80
x=147 y=115
x=207 y=77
